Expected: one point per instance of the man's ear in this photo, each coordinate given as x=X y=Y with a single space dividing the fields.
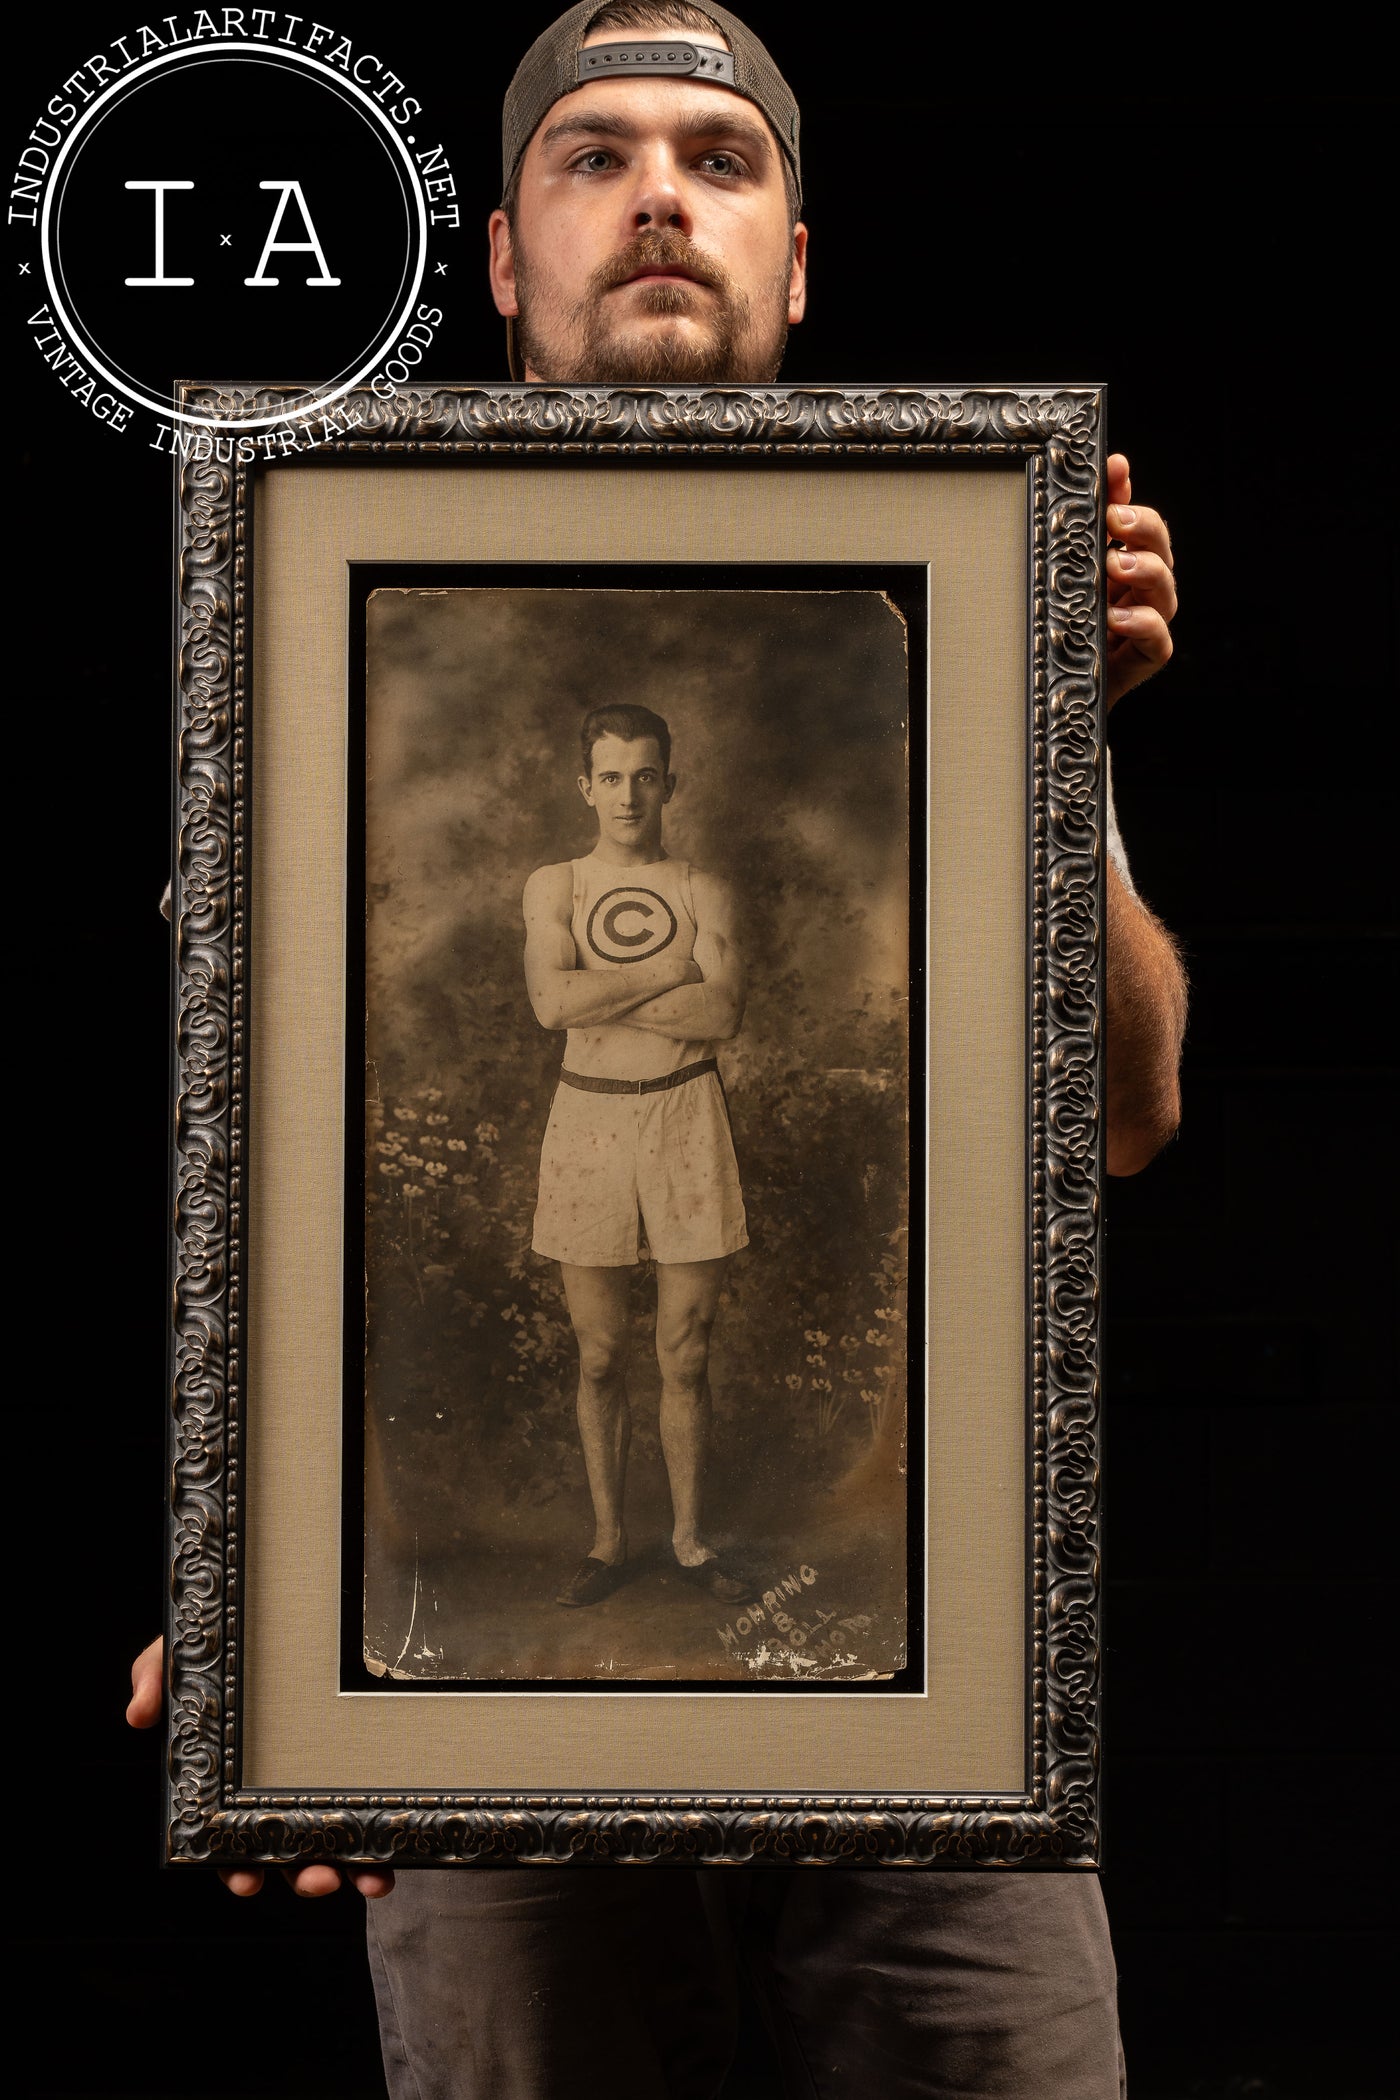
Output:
x=797 y=283
x=670 y=787
x=585 y=788
x=502 y=265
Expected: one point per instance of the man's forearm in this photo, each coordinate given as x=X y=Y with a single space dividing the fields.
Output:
x=1145 y=1022
x=589 y=998
x=700 y=1013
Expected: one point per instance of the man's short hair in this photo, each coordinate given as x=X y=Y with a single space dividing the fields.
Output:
x=633 y=16
x=631 y=724
x=649 y=14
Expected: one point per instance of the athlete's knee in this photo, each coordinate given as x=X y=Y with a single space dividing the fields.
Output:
x=684 y=1357
x=602 y=1358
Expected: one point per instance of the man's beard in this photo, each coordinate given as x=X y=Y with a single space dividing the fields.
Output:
x=590 y=342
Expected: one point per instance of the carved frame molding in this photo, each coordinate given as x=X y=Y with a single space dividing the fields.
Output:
x=1057 y=432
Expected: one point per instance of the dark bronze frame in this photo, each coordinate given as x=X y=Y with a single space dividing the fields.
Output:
x=1057 y=433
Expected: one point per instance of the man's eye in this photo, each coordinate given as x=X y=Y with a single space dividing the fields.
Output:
x=723 y=164
x=595 y=162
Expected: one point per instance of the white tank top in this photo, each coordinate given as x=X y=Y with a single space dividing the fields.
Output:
x=626 y=915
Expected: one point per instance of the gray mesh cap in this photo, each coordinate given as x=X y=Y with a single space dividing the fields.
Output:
x=552 y=68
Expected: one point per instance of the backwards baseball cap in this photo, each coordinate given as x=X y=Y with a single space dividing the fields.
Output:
x=556 y=64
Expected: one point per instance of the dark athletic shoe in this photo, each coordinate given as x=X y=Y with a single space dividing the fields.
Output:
x=716 y=1580
x=591 y=1581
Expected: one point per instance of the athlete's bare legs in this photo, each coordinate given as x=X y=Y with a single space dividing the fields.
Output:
x=598 y=1301
x=687 y=1297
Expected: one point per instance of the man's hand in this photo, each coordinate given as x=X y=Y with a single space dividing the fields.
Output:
x=712 y=1010
x=1141 y=587
x=143 y=1708
x=1145 y=1007
x=319 y=1879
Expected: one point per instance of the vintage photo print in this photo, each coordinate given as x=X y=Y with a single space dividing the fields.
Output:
x=635 y=1344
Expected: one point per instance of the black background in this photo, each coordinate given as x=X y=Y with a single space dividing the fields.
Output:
x=1209 y=235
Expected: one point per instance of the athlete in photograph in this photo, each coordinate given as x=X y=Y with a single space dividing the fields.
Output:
x=634 y=954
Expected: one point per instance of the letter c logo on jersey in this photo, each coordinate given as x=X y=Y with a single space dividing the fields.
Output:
x=629 y=925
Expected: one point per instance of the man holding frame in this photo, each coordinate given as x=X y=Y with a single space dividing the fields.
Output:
x=649 y=231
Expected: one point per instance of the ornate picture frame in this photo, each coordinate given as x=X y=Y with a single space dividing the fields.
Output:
x=985 y=1752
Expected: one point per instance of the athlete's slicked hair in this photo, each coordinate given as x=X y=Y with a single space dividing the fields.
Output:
x=631 y=724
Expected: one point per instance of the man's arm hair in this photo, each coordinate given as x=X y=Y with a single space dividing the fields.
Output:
x=562 y=995
x=713 y=1010
x=1144 y=1025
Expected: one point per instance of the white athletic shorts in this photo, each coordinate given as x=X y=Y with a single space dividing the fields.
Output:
x=665 y=1162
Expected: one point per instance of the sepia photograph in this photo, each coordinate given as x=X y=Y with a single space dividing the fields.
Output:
x=636 y=1209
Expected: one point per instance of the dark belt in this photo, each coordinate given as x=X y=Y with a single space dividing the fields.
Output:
x=589 y=1085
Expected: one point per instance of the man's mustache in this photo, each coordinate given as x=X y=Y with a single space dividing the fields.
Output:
x=658 y=251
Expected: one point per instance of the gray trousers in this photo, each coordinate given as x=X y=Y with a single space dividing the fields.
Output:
x=548 y=1983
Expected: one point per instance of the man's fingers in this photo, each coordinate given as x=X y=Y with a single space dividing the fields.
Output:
x=372 y=1881
x=321 y=1879
x=147 y=1685
x=1145 y=629
x=1141 y=529
x=1142 y=579
x=1138 y=644
x=1141 y=586
x=241 y=1881
x=315 y=1880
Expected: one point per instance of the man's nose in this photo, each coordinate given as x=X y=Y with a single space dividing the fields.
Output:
x=657 y=200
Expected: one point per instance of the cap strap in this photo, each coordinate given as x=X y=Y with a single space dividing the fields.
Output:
x=696 y=61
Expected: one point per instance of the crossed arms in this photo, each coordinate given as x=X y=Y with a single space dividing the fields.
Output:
x=699 y=1000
